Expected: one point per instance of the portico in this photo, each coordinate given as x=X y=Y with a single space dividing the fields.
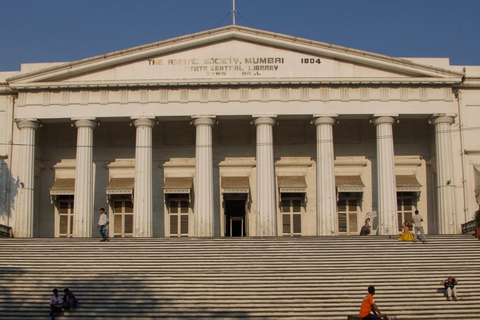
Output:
x=296 y=149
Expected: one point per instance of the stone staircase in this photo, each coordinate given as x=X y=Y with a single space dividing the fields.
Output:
x=239 y=278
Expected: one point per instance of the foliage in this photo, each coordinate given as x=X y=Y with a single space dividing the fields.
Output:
x=477 y=219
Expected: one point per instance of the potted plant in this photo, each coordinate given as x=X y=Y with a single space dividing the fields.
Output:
x=477 y=223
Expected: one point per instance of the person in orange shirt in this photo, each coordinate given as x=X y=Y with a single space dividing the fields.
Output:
x=368 y=305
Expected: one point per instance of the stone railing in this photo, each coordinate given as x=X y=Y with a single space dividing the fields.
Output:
x=6 y=231
x=468 y=227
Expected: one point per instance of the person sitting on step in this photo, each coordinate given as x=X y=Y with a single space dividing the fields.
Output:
x=56 y=304
x=450 y=290
x=406 y=235
x=368 y=306
x=69 y=300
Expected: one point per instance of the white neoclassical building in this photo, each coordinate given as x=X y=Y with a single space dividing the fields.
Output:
x=238 y=132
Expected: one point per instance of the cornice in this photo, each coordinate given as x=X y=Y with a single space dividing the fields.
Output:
x=302 y=162
x=238 y=162
x=470 y=83
x=179 y=163
x=121 y=164
x=475 y=152
x=350 y=162
x=230 y=82
x=5 y=88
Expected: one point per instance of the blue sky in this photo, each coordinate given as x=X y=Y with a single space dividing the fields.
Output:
x=68 y=30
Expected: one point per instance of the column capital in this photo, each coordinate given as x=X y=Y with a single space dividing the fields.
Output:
x=203 y=120
x=144 y=122
x=27 y=123
x=318 y=120
x=90 y=122
x=442 y=118
x=271 y=120
x=384 y=119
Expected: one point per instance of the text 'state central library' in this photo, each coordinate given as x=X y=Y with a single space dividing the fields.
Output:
x=238 y=132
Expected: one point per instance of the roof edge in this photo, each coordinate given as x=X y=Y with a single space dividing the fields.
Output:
x=237 y=33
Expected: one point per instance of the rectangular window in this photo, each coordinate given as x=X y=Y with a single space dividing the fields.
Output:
x=65 y=215
x=122 y=218
x=179 y=211
x=405 y=208
x=292 y=209
x=347 y=208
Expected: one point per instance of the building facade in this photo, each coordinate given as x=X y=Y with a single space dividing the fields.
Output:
x=238 y=132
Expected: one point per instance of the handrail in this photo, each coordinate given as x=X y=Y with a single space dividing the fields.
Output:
x=6 y=231
x=468 y=227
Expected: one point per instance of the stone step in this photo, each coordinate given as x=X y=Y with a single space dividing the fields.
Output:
x=242 y=314
x=250 y=278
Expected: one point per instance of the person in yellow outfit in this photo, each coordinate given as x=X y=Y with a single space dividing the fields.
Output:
x=406 y=235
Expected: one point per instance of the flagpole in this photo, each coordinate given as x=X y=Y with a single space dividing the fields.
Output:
x=233 y=12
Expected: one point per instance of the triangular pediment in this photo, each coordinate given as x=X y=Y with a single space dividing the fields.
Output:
x=233 y=55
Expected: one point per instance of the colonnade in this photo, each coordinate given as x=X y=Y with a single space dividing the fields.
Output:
x=266 y=216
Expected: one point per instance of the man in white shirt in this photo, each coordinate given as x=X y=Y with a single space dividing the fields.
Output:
x=417 y=220
x=55 y=303
x=102 y=222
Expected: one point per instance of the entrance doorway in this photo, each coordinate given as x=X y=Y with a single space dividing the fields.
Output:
x=65 y=216
x=121 y=223
x=235 y=218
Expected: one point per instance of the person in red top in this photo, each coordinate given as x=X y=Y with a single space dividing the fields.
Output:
x=369 y=305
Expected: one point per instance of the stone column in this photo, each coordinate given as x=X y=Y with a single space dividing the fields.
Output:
x=387 y=190
x=143 y=195
x=445 y=177
x=83 y=208
x=23 y=222
x=266 y=206
x=327 y=218
x=203 y=209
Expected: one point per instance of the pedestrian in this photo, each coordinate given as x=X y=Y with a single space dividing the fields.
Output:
x=107 y=228
x=55 y=303
x=368 y=306
x=102 y=222
x=366 y=229
x=69 y=300
x=450 y=290
x=417 y=220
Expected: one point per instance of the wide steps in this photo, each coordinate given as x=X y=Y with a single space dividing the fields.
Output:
x=243 y=278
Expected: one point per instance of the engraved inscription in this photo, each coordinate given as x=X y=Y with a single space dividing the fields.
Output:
x=230 y=66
